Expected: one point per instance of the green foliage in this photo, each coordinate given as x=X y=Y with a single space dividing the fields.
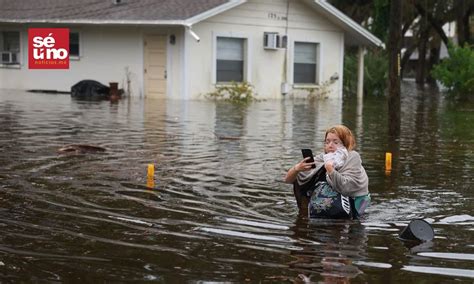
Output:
x=236 y=92
x=457 y=72
x=375 y=72
x=381 y=19
x=350 y=73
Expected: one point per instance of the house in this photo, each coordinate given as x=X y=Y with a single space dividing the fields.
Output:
x=410 y=42
x=182 y=49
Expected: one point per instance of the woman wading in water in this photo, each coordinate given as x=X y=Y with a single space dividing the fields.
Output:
x=338 y=169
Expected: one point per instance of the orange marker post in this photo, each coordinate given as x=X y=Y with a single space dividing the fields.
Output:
x=150 y=177
x=388 y=162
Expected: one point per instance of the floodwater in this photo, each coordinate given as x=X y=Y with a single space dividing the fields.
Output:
x=218 y=210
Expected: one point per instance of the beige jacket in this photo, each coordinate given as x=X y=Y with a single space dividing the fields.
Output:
x=349 y=180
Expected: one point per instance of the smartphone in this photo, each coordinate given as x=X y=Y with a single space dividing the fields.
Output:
x=308 y=153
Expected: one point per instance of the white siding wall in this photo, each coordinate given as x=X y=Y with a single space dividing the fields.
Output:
x=267 y=72
x=105 y=53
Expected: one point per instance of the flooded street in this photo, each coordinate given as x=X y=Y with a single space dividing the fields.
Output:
x=218 y=210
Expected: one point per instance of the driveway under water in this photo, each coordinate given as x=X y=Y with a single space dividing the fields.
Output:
x=218 y=210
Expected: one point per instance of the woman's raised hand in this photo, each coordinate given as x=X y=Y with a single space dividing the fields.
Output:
x=303 y=165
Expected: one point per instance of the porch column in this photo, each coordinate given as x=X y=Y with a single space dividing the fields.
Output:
x=360 y=91
x=360 y=72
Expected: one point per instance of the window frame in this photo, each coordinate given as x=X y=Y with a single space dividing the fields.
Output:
x=79 y=43
x=247 y=48
x=318 y=64
x=19 y=53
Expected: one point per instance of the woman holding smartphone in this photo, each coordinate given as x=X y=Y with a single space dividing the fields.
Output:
x=343 y=166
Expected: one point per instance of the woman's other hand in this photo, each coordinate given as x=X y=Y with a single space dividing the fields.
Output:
x=329 y=165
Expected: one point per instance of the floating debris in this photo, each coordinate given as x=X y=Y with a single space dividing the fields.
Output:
x=80 y=149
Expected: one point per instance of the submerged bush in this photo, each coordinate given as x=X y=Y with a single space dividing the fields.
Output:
x=236 y=92
x=457 y=71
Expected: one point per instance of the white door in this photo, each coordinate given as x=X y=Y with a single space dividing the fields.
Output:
x=155 y=66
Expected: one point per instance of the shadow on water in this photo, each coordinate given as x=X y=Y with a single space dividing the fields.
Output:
x=218 y=210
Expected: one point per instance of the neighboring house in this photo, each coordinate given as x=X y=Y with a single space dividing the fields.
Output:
x=184 y=48
x=409 y=40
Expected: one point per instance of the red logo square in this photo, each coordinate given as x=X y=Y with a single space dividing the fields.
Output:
x=48 y=48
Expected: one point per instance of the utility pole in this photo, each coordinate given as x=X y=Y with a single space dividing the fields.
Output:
x=394 y=46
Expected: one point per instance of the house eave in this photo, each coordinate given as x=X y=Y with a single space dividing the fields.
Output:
x=347 y=23
x=215 y=11
x=185 y=22
x=95 y=22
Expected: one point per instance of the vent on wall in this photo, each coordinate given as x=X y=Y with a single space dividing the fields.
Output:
x=273 y=41
x=282 y=41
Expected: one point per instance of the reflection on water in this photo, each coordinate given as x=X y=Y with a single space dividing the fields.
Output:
x=218 y=210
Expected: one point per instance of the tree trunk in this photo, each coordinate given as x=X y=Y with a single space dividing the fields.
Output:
x=462 y=22
x=421 y=64
x=435 y=48
x=435 y=23
x=394 y=43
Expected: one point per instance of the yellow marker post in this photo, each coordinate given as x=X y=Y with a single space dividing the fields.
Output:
x=150 y=177
x=388 y=161
x=151 y=171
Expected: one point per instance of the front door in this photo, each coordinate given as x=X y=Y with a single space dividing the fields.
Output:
x=155 y=66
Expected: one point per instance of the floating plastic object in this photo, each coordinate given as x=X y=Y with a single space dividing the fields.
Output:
x=80 y=149
x=418 y=230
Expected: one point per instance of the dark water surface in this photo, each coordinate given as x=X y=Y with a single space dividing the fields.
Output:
x=218 y=210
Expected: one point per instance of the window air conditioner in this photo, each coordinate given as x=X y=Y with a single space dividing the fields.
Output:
x=270 y=40
x=8 y=57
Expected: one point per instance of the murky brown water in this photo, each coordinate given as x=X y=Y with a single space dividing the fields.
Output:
x=218 y=210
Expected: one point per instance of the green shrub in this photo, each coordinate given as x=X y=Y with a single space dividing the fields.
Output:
x=350 y=73
x=375 y=72
x=236 y=92
x=456 y=73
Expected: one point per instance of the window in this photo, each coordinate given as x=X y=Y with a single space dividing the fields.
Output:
x=305 y=63
x=74 y=44
x=9 y=47
x=230 y=59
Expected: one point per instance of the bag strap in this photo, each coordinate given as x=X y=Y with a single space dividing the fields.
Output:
x=301 y=191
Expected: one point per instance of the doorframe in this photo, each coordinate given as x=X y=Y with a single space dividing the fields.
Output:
x=168 y=61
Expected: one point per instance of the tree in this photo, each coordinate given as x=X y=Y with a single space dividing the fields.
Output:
x=394 y=44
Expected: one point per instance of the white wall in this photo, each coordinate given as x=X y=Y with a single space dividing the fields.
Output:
x=105 y=53
x=267 y=72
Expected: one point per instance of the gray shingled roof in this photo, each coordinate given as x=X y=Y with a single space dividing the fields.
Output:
x=103 y=10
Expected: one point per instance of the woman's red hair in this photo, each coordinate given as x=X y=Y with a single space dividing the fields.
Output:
x=345 y=134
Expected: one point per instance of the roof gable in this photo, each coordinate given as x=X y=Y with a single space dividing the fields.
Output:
x=153 y=12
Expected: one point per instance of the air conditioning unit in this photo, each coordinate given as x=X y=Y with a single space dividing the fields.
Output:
x=8 y=57
x=273 y=41
x=270 y=40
